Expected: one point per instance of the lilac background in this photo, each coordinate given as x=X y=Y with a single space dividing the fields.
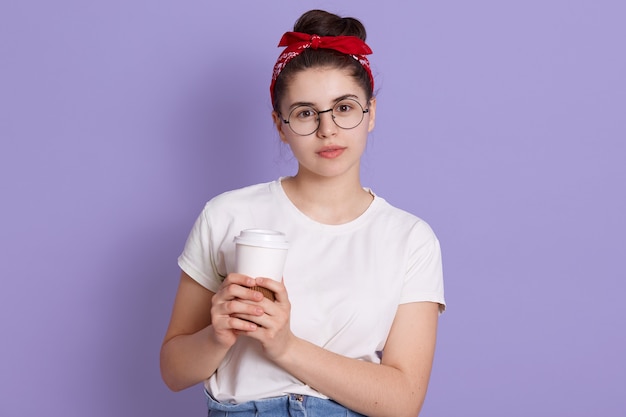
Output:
x=500 y=123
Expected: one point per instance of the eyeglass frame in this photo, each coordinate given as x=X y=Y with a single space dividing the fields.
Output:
x=332 y=116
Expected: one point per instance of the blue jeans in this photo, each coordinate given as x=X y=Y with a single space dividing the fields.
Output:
x=292 y=405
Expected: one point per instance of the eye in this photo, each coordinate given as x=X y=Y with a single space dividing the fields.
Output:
x=304 y=113
x=343 y=107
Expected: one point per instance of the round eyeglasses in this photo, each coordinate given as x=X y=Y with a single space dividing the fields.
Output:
x=304 y=120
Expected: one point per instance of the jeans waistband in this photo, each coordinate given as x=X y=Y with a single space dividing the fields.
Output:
x=287 y=405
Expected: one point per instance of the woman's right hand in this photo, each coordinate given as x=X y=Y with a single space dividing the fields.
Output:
x=234 y=298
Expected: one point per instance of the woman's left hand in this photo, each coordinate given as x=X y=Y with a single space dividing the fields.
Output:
x=274 y=331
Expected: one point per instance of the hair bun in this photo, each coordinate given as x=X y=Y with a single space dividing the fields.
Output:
x=320 y=22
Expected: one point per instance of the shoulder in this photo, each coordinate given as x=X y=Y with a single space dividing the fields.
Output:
x=241 y=197
x=398 y=219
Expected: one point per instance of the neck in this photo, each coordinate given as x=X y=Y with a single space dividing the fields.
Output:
x=328 y=200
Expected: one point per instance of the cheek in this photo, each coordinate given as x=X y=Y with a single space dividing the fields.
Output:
x=301 y=147
x=364 y=130
x=295 y=146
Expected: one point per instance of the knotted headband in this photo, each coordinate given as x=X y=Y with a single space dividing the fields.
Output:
x=297 y=42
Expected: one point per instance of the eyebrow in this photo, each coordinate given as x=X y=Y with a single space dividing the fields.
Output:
x=310 y=104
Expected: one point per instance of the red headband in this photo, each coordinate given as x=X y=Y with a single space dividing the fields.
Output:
x=297 y=42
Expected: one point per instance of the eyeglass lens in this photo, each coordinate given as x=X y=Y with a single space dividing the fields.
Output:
x=305 y=120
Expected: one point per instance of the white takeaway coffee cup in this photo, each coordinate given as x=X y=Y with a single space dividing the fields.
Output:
x=261 y=253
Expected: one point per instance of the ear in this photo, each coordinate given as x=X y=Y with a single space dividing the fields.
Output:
x=278 y=123
x=372 y=113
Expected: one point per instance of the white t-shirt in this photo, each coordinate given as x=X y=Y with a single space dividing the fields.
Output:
x=344 y=282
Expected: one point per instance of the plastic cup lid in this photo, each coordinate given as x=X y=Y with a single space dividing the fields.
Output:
x=262 y=237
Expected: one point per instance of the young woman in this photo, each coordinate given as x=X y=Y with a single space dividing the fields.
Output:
x=353 y=325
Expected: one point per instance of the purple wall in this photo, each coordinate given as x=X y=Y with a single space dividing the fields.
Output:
x=500 y=123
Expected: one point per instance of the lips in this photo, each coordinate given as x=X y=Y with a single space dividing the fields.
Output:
x=330 y=152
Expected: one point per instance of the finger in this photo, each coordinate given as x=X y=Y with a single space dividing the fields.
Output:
x=238 y=279
x=278 y=288
x=270 y=284
x=237 y=306
x=237 y=291
x=239 y=324
x=262 y=323
x=252 y=318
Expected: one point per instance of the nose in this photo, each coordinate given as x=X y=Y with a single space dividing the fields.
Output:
x=327 y=126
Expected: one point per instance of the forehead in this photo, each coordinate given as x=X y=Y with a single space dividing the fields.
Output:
x=321 y=87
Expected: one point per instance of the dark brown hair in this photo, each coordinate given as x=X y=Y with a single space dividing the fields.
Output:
x=319 y=22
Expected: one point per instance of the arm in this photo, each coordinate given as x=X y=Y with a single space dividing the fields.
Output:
x=396 y=387
x=201 y=330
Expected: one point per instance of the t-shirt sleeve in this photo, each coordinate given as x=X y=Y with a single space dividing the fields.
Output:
x=424 y=274
x=199 y=257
